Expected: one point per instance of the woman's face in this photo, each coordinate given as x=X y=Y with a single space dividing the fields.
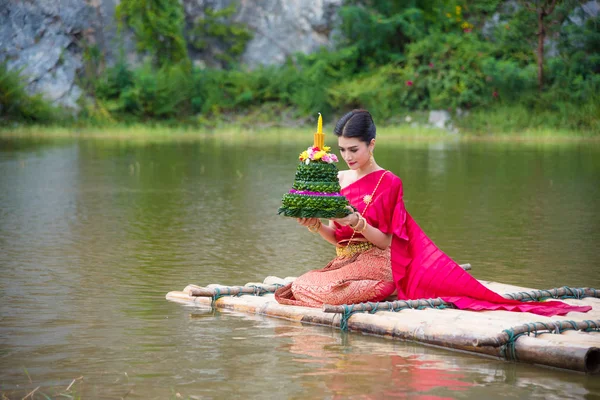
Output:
x=355 y=152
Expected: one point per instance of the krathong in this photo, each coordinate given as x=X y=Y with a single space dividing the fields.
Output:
x=316 y=189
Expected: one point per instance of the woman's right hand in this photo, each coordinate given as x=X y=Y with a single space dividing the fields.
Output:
x=308 y=221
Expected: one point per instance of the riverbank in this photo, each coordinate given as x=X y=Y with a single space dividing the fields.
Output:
x=231 y=132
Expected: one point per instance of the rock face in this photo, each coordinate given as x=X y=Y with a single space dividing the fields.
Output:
x=45 y=39
x=41 y=38
x=283 y=27
x=280 y=27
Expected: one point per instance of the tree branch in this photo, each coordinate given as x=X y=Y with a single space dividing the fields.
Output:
x=528 y=6
x=551 y=9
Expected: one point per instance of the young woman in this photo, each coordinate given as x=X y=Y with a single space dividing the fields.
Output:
x=381 y=250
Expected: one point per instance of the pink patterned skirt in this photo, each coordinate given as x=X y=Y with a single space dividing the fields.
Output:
x=365 y=276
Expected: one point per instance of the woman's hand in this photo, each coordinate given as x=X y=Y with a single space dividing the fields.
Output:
x=308 y=221
x=349 y=220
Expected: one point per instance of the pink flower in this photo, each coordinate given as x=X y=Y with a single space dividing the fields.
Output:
x=430 y=65
x=467 y=30
x=326 y=158
x=495 y=94
x=334 y=158
x=409 y=83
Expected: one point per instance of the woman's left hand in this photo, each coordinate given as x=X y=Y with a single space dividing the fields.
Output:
x=348 y=220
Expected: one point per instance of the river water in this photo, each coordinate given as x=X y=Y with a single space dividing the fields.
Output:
x=94 y=233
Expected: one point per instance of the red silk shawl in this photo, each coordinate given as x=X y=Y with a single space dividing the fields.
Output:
x=419 y=268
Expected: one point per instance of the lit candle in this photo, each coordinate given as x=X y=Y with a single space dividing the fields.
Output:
x=319 y=137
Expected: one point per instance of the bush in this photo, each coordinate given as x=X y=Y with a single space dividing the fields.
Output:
x=19 y=106
x=146 y=92
x=446 y=71
x=384 y=92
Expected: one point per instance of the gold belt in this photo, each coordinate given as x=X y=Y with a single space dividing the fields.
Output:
x=353 y=248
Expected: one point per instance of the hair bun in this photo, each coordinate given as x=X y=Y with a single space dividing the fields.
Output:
x=357 y=123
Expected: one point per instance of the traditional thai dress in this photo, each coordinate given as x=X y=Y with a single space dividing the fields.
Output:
x=412 y=265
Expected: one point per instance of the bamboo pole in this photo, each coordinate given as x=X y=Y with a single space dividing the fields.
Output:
x=536 y=295
x=555 y=293
x=232 y=290
x=538 y=328
x=564 y=355
x=386 y=305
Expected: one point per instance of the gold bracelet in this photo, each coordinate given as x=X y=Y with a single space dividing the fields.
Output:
x=315 y=228
x=364 y=221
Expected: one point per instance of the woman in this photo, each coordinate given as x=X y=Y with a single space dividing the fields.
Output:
x=381 y=249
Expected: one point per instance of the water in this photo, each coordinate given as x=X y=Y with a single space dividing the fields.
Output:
x=93 y=234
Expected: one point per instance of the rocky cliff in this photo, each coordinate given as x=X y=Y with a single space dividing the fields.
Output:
x=46 y=39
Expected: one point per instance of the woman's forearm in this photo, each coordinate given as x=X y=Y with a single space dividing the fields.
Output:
x=328 y=233
x=375 y=236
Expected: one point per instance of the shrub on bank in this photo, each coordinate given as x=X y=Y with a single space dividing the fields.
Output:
x=19 y=106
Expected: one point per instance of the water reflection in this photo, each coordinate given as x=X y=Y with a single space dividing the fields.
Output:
x=374 y=370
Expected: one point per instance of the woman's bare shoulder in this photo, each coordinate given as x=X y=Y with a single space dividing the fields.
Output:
x=344 y=178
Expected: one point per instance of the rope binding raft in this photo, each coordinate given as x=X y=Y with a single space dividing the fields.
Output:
x=347 y=310
x=507 y=339
x=564 y=292
x=217 y=292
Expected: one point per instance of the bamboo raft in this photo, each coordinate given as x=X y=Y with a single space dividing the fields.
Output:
x=570 y=342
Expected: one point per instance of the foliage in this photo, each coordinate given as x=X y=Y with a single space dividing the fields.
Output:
x=19 y=106
x=158 y=27
x=381 y=91
x=146 y=92
x=380 y=30
x=547 y=115
x=448 y=71
x=218 y=29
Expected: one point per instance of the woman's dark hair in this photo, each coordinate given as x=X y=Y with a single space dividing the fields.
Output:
x=358 y=124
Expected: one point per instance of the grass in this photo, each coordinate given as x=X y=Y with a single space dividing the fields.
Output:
x=270 y=123
x=25 y=391
x=225 y=132
x=519 y=122
x=237 y=134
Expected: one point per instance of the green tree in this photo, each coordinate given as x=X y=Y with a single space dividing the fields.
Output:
x=158 y=27
x=546 y=17
x=217 y=29
x=379 y=31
